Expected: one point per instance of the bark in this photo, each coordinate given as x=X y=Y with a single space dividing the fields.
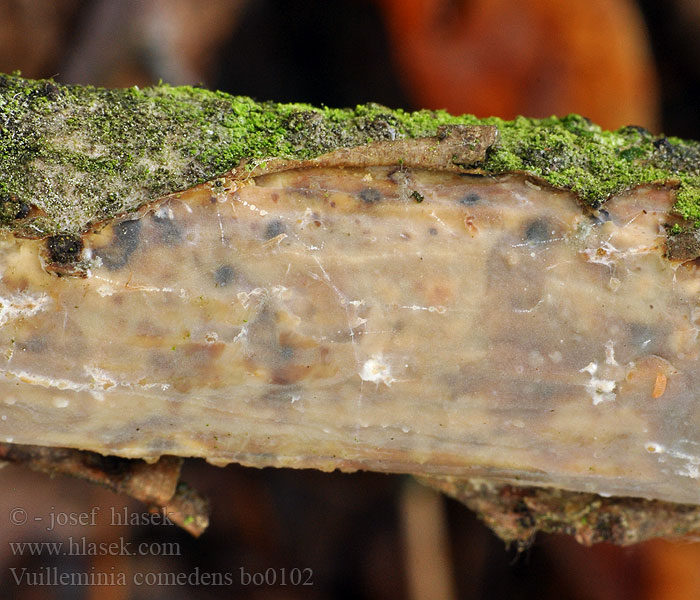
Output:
x=516 y=513
x=72 y=156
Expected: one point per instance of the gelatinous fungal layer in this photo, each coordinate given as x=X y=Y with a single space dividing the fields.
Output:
x=384 y=318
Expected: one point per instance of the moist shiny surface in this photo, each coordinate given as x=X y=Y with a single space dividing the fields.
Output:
x=389 y=319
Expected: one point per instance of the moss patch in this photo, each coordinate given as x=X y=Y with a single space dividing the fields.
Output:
x=81 y=154
x=573 y=153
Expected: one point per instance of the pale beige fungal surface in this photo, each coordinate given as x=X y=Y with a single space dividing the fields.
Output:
x=382 y=318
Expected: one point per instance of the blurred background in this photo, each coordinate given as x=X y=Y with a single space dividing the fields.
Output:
x=361 y=536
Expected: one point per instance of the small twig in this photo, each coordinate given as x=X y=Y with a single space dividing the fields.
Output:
x=188 y=509
x=516 y=514
x=155 y=484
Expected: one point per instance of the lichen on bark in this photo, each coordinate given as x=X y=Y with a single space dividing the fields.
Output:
x=71 y=156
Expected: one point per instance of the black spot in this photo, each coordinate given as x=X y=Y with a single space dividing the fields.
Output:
x=601 y=216
x=432 y=231
x=538 y=231
x=474 y=176
x=470 y=199
x=126 y=240
x=224 y=275
x=370 y=196
x=663 y=144
x=12 y=208
x=170 y=232
x=417 y=196
x=274 y=228
x=64 y=249
x=443 y=132
x=22 y=211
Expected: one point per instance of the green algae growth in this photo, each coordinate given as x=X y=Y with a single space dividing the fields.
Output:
x=71 y=156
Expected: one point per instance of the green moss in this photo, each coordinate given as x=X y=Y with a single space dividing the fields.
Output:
x=82 y=154
x=575 y=154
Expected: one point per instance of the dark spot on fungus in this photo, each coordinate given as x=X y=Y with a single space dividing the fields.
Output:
x=126 y=240
x=370 y=196
x=433 y=231
x=417 y=196
x=64 y=249
x=640 y=334
x=34 y=344
x=286 y=352
x=538 y=231
x=126 y=235
x=470 y=199
x=170 y=232
x=274 y=228
x=601 y=216
x=224 y=275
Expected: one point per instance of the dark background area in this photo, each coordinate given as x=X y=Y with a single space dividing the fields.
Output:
x=618 y=62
